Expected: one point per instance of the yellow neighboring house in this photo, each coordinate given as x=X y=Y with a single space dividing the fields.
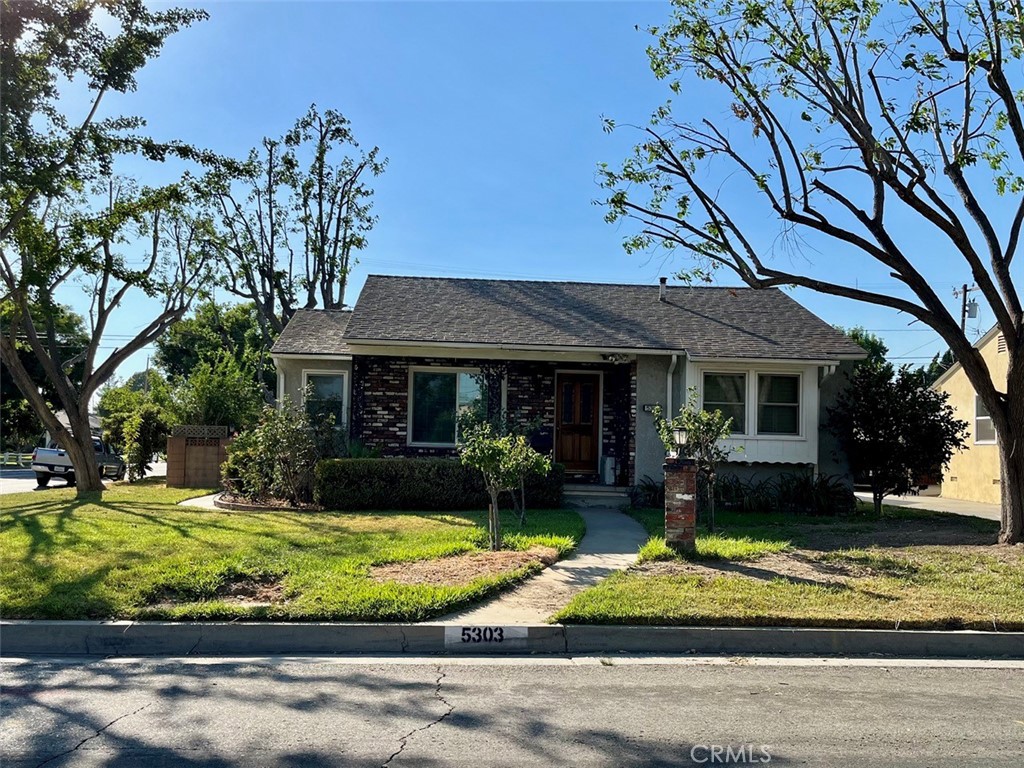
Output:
x=973 y=473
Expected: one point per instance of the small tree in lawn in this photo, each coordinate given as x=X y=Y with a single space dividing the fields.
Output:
x=697 y=434
x=503 y=460
x=893 y=428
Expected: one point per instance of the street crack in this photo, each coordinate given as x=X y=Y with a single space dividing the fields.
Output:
x=404 y=740
x=93 y=736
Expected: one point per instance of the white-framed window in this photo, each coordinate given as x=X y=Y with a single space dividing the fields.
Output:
x=324 y=393
x=436 y=398
x=778 y=404
x=984 y=430
x=727 y=392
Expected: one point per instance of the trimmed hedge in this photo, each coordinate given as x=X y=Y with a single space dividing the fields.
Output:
x=419 y=484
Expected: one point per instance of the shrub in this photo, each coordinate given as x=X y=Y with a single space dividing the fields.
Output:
x=144 y=433
x=278 y=456
x=218 y=393
x=647 y=494
x=796 y=493
x=418 y=484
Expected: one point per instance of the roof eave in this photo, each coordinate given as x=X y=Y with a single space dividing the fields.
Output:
x=367 y=342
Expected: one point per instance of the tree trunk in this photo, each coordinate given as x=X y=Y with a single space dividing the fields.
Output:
x=1012 y=484
x=522 y=501
x=877 y=494
x=1011 y=457
x=494 y=522
x=83 y=456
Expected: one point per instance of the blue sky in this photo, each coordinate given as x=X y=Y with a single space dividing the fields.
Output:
x=489 y=113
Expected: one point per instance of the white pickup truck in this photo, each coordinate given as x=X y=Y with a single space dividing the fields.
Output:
x=53 y=461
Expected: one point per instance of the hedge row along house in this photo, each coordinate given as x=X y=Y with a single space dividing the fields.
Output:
x=584 y=363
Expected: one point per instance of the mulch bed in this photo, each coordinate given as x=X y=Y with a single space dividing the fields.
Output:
x=459 y=570
x=241 y=504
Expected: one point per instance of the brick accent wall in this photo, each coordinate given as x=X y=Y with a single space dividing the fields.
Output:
x=380 y=403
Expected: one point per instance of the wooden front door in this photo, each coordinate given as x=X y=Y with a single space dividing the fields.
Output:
x=578 y=421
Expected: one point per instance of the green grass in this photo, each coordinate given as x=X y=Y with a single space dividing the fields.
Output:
x=736 y=538
x=909 y=569
x=123 y=555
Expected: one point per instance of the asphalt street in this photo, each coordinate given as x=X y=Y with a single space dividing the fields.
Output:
x=14 y=480
x=507 y=712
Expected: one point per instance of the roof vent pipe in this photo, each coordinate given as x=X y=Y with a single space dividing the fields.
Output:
x=661 y=289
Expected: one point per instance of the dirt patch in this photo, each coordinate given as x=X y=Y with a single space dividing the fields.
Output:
x=806 y=566
x=249 y=591
x=797 y=566
x=892 y=533
x=459 y=570
x=246 y=590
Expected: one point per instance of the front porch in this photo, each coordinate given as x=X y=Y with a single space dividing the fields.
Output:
x=580 y=413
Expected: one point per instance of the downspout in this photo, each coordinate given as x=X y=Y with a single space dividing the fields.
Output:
x=668 y=386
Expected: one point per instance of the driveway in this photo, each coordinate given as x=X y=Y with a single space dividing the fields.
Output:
x=14 y=480
x=939 y=504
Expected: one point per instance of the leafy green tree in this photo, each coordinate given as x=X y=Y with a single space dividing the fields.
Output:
x=118 y=403
x=145 y=433
x=871 y=343
x=20 y=427
x=697 y=434
x=212 y=329
x=863 y=129
x=503 y=460
x=938 y=366
x=65 y=219
x=894 y=429
x=293 y=218
x=218 y=393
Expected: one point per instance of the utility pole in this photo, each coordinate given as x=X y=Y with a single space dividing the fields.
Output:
x=966 y=306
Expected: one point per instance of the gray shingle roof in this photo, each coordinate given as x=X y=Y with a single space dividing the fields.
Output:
x=314 y=332
x=704 y=322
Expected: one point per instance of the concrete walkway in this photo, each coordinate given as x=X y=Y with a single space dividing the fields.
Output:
x=939 y=504
x=203 y=502
x=610 y=544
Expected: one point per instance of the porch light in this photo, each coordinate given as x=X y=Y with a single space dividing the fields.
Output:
x=679 y=435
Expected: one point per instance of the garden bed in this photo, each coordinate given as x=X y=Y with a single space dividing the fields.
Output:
x=909 y=569
x=134 y=554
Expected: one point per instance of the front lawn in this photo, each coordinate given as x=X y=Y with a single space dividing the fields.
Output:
x=135 y=554
x=910 y=569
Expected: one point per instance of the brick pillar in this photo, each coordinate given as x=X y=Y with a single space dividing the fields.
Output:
x=680 y=503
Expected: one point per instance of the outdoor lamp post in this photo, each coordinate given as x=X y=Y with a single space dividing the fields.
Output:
x=679 y=435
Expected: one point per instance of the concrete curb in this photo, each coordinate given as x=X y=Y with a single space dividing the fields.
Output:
x=125 y=638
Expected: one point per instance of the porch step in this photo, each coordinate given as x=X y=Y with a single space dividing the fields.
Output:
x=595 y=496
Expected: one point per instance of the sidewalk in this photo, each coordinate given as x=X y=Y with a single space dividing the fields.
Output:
x=610 y=544
x=202 y=502
x=939 y=504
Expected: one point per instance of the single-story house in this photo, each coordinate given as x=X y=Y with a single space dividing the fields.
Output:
x=973 y=473
x=585 y=363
